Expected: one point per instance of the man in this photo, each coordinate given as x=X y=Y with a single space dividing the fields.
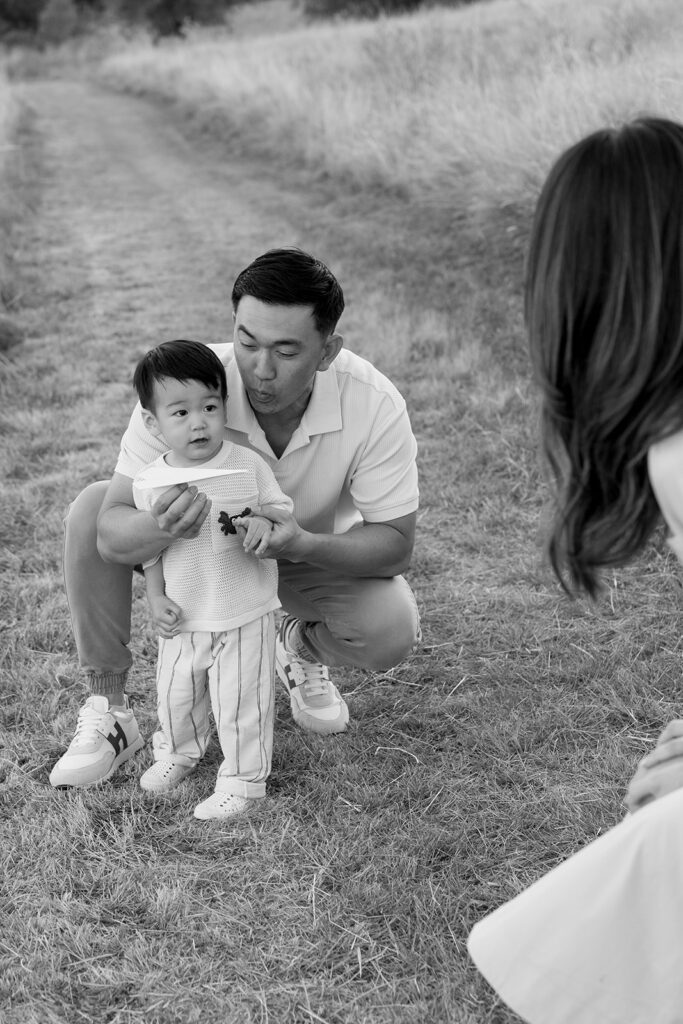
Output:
x=336 y=433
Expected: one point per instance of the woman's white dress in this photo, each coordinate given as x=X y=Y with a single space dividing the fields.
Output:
x=599 y=939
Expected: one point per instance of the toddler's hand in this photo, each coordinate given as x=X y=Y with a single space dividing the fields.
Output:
x=255 y=531
x=659 y=772
x=165 y=616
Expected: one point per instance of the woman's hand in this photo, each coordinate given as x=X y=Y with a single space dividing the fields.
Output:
x=659 y=772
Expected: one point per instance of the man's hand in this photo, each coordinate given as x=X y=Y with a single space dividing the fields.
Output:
x=268 y=533
x=180 y=511
x=366 y=549
x=165 y=615
x=659 y=772
x=285 y=531
x=129 y=536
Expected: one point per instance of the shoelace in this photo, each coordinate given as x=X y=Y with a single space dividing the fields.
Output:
x=86 y=726
x=316 y=680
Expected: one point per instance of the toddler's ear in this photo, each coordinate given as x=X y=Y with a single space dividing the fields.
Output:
x=150 y=421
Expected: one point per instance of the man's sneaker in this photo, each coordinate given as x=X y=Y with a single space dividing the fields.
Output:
x=164 y=776
x=105 y=738
x=316 y=703
x=222 y=805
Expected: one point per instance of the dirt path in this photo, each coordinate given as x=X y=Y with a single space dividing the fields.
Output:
x=141 y=232
x=140 y=235
x=156 y=227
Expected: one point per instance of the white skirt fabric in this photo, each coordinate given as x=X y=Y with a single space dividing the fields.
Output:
x=599 y=939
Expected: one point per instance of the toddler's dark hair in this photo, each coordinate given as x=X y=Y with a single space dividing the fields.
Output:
x=180 y=360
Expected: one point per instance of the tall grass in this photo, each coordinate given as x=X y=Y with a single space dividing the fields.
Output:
x=482 y=96
x=9 y=119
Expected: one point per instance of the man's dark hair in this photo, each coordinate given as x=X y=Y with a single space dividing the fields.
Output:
x=179 y=360
x=291 y=277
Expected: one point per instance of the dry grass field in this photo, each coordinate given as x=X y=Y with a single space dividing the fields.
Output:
x=505 y=742
x=11 y=197
x=482 y=96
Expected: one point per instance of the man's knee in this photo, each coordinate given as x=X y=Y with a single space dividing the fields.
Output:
x=390 y=627
x=82 y=513
x=80 y=524
x=392 y=646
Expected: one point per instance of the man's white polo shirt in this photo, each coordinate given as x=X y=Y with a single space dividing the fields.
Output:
x=352 y=457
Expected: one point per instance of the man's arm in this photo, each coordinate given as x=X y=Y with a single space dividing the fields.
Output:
x=368 y=549
x=126 y=534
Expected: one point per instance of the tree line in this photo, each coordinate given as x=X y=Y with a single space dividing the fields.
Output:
x=371 y=8
x=57 y=20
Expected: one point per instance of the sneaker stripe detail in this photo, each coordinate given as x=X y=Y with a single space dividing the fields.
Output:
x=118 y=739
x=290 y=678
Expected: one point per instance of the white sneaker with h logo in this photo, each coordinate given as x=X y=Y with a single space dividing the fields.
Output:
x=316 y=703
x=105 y=737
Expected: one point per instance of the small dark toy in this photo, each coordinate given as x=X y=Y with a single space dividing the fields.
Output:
x=226 y=521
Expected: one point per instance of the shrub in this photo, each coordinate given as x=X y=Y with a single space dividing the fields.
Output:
x=58 y=21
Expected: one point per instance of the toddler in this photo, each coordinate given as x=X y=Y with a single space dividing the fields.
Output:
x=212 y=597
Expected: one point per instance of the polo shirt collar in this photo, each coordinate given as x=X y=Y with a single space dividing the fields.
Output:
x=322 y=415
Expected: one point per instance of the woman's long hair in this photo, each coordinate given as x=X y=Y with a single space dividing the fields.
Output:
x=604 y=311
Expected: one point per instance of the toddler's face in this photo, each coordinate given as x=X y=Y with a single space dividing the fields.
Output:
x=191 y=417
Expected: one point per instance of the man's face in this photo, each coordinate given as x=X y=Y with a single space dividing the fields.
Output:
x=278 y=350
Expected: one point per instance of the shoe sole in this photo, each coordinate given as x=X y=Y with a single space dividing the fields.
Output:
x=124 y=756
x=308 y=723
